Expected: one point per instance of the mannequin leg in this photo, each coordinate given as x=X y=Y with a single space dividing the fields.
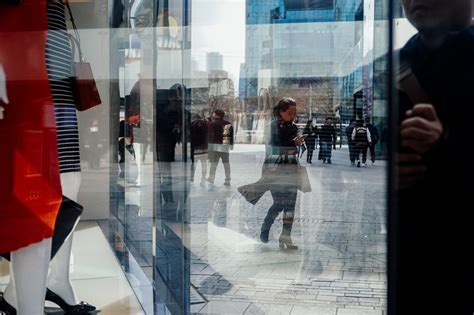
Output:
x=29 y=269
x=58 y=279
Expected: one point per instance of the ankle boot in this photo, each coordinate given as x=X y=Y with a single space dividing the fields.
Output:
x=285 y=239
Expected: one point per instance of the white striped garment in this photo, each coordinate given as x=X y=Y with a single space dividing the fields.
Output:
x=59 y=65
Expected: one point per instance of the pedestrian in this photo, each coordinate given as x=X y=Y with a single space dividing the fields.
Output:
x=221 y=141
x=350 y=142
x=311 y=130
x=281 y=171
x=362 y=139
x=374 y=136
x=199 y=146
x=327 y=139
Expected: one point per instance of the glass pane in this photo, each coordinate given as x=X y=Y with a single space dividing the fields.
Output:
x=240 y=230
x=238 y=162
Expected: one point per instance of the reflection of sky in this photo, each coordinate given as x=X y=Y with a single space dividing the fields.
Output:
x=219 y=26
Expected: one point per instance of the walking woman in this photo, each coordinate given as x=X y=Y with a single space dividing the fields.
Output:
x=311 y=130
x=281 y=170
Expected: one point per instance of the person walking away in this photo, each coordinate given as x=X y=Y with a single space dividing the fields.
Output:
x=361 y=138
x=311 y=130
x=374 y=136
x=199 y=146
x=350 y=142
x=327 y=137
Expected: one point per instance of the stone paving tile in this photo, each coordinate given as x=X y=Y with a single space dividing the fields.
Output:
x=354 y=311
x=223 y=307
x=305 y=310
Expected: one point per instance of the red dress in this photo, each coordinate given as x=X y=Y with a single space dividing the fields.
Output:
x=30 y=189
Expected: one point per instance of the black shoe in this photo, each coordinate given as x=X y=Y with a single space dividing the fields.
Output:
x=358 y=163
x=78 y=309
x=6 y=308
x=329 y=161
x=264 y=236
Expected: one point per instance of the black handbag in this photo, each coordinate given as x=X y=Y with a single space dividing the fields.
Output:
x=68 y=214
x=253 y=192
x=85 y=92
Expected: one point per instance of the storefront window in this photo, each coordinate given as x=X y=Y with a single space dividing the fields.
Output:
x=238 y=162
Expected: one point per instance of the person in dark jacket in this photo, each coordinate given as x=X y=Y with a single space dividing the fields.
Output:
x=280 y=171
x=221 y=141
x=374 y=136
x=362 y=139
x=199 y=146
x=350 y=142
x=311 y=130
x=327 y=138
x=434 y=176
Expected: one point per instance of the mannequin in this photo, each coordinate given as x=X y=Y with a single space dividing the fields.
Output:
x=31 y=194
x=60 y=290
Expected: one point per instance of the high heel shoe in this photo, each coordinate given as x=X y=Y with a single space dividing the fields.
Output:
x=285 y=241
x=78 y=309
x=6 y=308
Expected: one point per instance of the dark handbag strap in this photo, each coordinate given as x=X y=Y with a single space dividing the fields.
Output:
x=74 y=43
x=75 y=40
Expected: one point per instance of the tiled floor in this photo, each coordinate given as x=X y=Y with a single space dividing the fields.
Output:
x=96 y=276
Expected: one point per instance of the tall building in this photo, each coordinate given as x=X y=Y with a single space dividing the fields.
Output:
x=215 y=61
x=289 y=51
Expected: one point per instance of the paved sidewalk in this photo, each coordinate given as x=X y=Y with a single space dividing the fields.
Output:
x=340 y=228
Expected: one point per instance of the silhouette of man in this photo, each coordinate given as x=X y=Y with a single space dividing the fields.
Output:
x=434 y=176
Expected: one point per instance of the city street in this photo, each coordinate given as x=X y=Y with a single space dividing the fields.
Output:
x=340 y=266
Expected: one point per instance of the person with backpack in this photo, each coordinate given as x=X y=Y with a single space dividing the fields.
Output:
x=362 y=139
x=350 y=142
x=374 y=135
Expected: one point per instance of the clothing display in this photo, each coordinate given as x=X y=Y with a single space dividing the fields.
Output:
x=58 y=63
x=30 y=190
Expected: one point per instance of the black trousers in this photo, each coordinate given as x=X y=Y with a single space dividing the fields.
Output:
x=283 y=200
x=360 y=149
x=372 y=152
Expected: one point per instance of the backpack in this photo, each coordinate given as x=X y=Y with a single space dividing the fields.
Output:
x=361 y=135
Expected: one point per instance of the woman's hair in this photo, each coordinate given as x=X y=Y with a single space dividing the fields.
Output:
x=283 y=106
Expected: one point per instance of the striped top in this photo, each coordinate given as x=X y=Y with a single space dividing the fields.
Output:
x=59 y=65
